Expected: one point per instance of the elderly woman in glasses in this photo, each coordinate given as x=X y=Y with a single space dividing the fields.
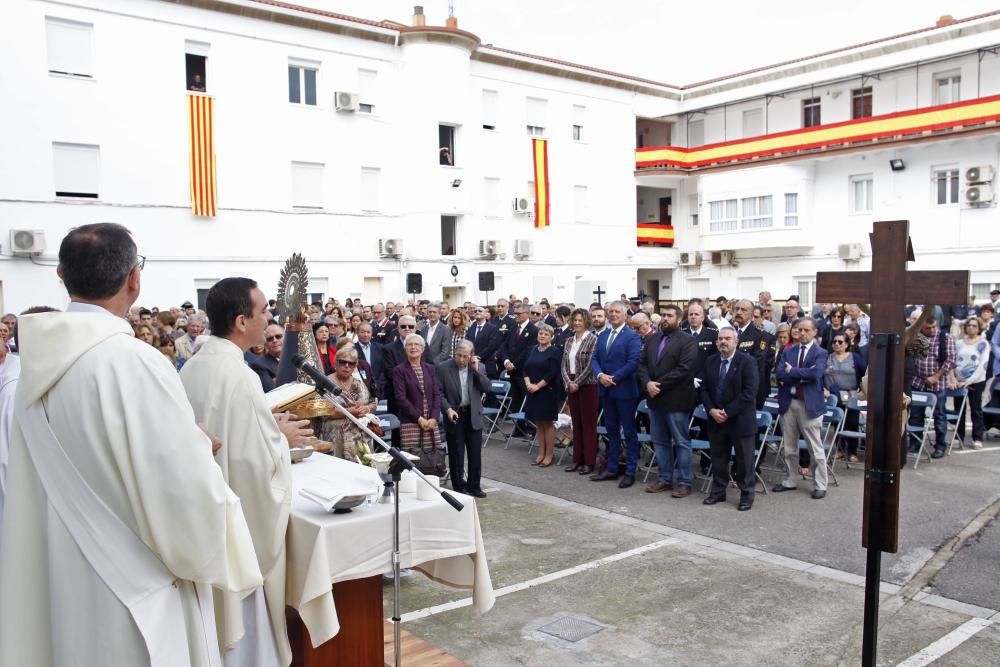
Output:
x=844 y=370
x=355 y=396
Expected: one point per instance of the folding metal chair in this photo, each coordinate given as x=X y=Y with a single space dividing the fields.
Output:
x=959 y=398
x=833 y=422
x=700 y=447
x=861 y=407
x=927 y=401
x=770 y=440
x=493 y=416
x=646 y=440
x=765 y=421
x=515 y=417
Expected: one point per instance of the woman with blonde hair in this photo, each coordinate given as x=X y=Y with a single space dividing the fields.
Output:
x=350 y=441
x=458 y=325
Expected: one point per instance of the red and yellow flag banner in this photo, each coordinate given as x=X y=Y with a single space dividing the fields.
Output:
x=202 y=140
x=901 y=125
x=655 y=233
x=540 y=154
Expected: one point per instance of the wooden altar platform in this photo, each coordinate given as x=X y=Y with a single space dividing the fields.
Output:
x=417 y=652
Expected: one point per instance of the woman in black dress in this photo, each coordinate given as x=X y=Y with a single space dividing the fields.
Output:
x=541 y=375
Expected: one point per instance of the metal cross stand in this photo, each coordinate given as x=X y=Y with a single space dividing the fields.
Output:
x=399 y=464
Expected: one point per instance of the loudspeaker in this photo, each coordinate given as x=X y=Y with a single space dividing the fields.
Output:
x=486 y=281
x=414 y=283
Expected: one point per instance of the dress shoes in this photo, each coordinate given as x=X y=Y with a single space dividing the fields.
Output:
x=711 y=500
x=606 y=476
x=478 y=493
x=627 y=481
x=938 y=453
x=681 y=492
x=745 y=504
x=574 y=467
x=659 y=486
x=781 y=488
x=586 y=470
x=819 y=494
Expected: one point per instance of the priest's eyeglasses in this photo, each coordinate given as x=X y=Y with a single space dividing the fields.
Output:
x=140 y=262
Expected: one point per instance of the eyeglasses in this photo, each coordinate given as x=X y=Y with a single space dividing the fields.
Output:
x=344 y=362
x=535 y=312
x=407 y=326
x=840 y=342
x=140 y=262
x=274 y=337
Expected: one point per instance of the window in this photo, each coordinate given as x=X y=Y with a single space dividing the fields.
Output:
x=982 y=290
x=806 y=289
x=194 y=66
x=810 y=112
x=753 y=122
x=307 y=185
x=946 y=185
x=696 y=133
x=791 y=209
x=861 y=102
x=722 y=215
x=76 y=170
x=580 y=203
x=446 y=144
x=302 y=84
x=947 y=87
x=449 y=230
x=535 y=115
x=490 y=105
x=491 y=197
x=70 y=47
x=367 y=84
x=861 y=193
x=756 y=212
x=369 y=188
x=694 y=209
x=579 y=113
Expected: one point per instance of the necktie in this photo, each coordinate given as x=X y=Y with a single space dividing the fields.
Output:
x=611 y=339
x=663 y=346
x=723 y=369
x=475 y=333
x=802 y=358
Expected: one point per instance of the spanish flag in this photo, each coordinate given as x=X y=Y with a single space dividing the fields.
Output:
x=540 y=152
x=200 y=119
x=656 y=234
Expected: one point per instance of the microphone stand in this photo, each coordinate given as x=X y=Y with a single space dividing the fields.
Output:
x=399 y=464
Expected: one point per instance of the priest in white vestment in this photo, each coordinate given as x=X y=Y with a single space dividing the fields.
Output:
x=10 y=370
x=113 y=568
x=228 y=399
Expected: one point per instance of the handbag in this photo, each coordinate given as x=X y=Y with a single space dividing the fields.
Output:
x=432 y=459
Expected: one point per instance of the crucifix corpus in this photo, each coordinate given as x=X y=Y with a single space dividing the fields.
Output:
x=888 y=288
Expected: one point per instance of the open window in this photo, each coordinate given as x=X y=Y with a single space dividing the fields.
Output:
x=196 y=66
x=446 y=145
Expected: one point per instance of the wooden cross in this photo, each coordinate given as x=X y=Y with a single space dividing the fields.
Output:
x=889 y=287
x=599 y=292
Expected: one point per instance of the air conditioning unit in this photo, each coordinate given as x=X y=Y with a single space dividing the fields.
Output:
x=723 y=258
x=980 y=174
x=689 y=259
x=345 y=101
x=27 y=241
x=977 y=195
x=390 y=248
x=522 y=249
x=489 y=249
x=849 y=251
x=521 y=205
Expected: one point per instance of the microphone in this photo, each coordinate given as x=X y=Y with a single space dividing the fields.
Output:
x=323 y=383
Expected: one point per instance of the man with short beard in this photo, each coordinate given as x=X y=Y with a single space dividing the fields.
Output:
x=599 y=319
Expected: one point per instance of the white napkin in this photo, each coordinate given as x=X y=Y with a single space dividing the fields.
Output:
x=326 y=495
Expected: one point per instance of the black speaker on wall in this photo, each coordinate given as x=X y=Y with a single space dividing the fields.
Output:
x=414 y=283
x=486 y=281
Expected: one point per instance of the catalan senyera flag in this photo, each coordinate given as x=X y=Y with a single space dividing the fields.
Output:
x=540 y=154
x=202 y=140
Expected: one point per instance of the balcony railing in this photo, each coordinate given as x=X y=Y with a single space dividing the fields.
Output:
x=927 y=122
x=654 y=234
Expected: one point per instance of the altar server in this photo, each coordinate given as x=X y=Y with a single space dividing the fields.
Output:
x=117 y=519
x=229 y=401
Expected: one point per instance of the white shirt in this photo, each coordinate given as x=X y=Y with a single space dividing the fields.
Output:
x=367 y=351
x=574 y=348
x=463 y=381
x=431 y=328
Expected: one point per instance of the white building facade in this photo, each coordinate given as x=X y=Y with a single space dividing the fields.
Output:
x=327 y=134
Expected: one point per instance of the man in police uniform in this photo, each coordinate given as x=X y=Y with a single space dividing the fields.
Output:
x=752 y=342
x=504 y=320
x=704 y=332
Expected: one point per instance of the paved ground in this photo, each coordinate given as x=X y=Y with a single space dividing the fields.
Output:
x=640 y=579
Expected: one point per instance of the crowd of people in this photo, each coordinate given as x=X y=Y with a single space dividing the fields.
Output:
x=95 y=376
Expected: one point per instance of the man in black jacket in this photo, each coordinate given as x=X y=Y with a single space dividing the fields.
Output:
x=666 y=372
x=753 y=342
x=486 y=337
x=520 y=339
x=703 y=332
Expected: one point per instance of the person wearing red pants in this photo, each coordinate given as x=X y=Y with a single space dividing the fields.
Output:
x=581 y=391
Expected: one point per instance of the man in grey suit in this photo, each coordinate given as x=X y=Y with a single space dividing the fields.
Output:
x=436 y=334
x=463 y=384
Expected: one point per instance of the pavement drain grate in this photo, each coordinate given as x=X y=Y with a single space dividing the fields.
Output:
x=571 y=629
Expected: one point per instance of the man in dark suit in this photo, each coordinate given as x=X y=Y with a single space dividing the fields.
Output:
x=266 y=365
x=752 y=342
x=704 y=333
x=372 y=353
x=563 y=332
x=393 y=355
x=800 y=372
x=486 y=338
x=505 y=321
x=729 y=394
x=520 y=339
x=666 y=372
x=463 y=384
x=615 y=362
x=383 y=328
